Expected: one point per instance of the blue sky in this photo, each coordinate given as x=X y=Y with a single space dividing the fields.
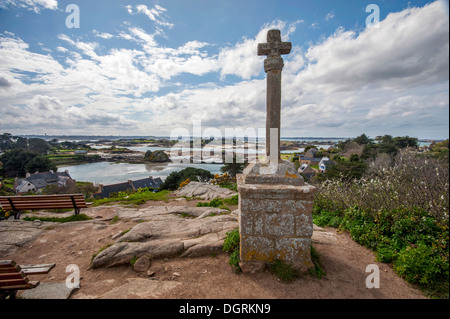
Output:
x=149 y=67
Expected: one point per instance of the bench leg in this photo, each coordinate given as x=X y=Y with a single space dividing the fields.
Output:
x=17 y=214
x=77 y=211
x=8 y=293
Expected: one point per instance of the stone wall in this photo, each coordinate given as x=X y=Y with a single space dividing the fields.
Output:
x=275 y=222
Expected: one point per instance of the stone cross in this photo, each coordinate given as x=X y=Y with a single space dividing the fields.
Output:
x=275 y=205
x=273 y=65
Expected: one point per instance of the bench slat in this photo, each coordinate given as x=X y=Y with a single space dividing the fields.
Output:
x=7 y=263
x=15 y=203
x=30 y=285
x=31 y=197
x=51 y=266
x=44 y=206
x=38 y=200
x=37 y=271
x=43 y=202
x=13 y=282
x=13 y=277
x=8 y=270
x=17 y=275
x=61 y=200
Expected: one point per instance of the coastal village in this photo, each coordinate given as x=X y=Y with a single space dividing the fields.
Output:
x=311 y=159
x=187 y=228
x=66 y=153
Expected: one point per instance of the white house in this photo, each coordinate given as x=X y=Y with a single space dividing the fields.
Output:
x=306 y=171
x=25 y=186
x=38 y=181
x=325 y=164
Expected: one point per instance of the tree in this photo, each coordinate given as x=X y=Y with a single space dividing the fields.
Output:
x=354 y=158
x=362 y=139
x=14 y=161
x=370 y=151
x=406 y=141
x=347 y=169
x=38 y=145
x=5 y=141
x=22 y=142
x=174 y=179
x=233 y=168
x=41 y=164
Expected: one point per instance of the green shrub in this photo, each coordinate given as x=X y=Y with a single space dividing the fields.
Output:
x=72 y=218
x=317 y=271
x=216 y=202
x=324 y=218
x=415 y=242
x=422 y=265
x=133 y=260
x=232 y=201
x=173 y=181
x=234 y=261
x=221 y=203
x=231 y=242
x=137 y=197
x=231 y=245
x=100 y=250
x=286 y=272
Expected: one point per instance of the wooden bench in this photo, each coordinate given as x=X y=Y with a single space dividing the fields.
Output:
x=14 y=277
x=19 y=203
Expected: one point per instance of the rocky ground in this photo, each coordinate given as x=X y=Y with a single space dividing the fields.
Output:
x=186 y=260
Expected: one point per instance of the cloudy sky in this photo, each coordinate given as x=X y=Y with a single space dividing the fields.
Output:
x=149 y=67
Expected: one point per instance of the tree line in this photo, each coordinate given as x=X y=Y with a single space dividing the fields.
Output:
x=22 y=155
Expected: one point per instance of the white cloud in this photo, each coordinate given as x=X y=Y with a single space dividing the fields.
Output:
x=169 y=62
x=155 y=14
x=393 y=79
x=103 y=35
x=35 y=5
x=329 y=16
x=242 y=60
x=314 y=25
x=380 y=79
x=129 y=9
x=62 y=49
x=409 y=48
x=15 y=56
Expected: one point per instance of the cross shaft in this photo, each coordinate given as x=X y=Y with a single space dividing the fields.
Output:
x=273 y=65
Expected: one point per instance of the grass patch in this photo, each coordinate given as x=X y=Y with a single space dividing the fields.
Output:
x=232 y=201
x=221 y=203
x=138 y=197
x=133 y=260
x=114 y=220
x=125 y=231
x=231 y=246
x=101 y=249
x=72 y=218
x=286 y=272
x=8 y=182
x=317 y=271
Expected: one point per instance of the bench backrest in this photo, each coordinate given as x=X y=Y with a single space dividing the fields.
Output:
x=42 y=202
x=12 y=277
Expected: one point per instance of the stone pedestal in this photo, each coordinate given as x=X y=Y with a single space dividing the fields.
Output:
x=275 y=216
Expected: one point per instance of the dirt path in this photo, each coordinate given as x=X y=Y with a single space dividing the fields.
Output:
x=343 y=260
